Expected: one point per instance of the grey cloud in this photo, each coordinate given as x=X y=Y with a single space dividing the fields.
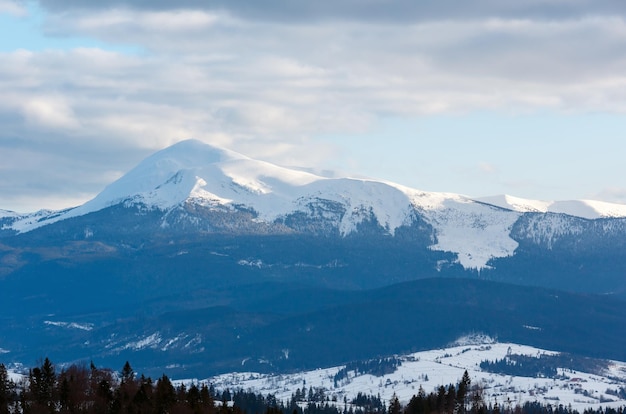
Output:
x=366 y=10
x=13 y=8
x=613 y=194
x=533 y=53
x=50 y=172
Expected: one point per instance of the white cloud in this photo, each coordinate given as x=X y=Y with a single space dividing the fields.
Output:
x=47 y=111
x=13 y=8
x=412 y=69
x=148 y=21
x=487 y=168
x=611 y=194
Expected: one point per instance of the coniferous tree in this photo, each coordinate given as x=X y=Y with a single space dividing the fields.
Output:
x=207 y=399
x=7 y=391
x=143 y=398
x=164 y=395
x=495 y=409
x=127 y=374
x=193 y=398
x=441 y=399
x=450 y=402
x=394 y=405
x=125 y=393
x=461 y=393
x=41 y=386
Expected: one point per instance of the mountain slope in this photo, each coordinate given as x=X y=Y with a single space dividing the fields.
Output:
x=258 y=323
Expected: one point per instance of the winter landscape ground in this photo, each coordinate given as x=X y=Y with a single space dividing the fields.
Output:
x=430 y=369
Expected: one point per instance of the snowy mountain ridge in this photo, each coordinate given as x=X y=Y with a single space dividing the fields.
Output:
x=588 y=209
x=477 y=230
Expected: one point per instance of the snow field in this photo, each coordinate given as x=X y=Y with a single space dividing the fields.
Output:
x=430 y=369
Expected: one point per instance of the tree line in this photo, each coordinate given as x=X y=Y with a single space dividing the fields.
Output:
x=82 y=389
x=543 y=365
x=376 y=367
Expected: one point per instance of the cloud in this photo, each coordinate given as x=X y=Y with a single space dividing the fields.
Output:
x=365 y=10
x=49 y=175
x=487 y=168
x=611 y=194
x=53 y=112
x=266 y=78
x=421 y=68
x=147 y=21
x=12 y=8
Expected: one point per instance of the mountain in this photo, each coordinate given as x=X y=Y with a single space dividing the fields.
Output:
x=200 y=251
x=192 y=179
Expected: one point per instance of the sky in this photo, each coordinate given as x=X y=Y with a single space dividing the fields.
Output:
x=479 y=98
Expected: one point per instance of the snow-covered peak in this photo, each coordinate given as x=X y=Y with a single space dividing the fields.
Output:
x=588 y=209
x=193 y=169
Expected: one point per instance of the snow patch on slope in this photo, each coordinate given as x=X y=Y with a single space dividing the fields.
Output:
x=474 y=339
x=477 y=233
x=150 y=341
x=362 y=199
x=71 y=325
x=30 y=221
x=546 y=230
x=16 y=376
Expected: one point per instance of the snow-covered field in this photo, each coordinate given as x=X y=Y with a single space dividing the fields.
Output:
x=430 y=369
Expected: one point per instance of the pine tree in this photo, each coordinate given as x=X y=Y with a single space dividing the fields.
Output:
x=64 y=393
x=125 y=394
x=193 y=397
x=165 y=395
x=128 y=375
x=394 y=405
x=461 y=393
x=441 y=398
x=143 y=398
x=207 y=398
x=450 y=403
x=7 y=390
x=42 y=382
